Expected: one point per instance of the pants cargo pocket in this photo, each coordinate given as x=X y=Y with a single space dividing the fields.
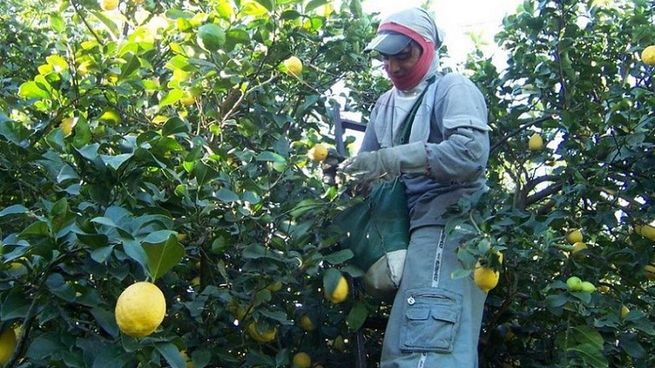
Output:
x=431 y=320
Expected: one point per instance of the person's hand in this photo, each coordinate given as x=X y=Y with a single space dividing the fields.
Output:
x=386 y=163
x=365 y=167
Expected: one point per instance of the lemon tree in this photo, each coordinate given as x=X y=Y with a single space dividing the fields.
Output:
x=167 y=141
x=158 y=205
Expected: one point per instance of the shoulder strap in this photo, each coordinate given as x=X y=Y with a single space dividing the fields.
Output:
x=409 y=119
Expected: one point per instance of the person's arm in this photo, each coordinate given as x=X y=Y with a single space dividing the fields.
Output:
x=462 y=154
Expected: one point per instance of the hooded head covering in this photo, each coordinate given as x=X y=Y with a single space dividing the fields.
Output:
x=394 y=34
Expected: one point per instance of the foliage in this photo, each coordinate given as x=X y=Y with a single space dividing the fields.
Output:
x=163 y=141
x=574 y=77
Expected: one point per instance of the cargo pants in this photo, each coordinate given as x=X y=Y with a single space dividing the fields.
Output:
x=435 y=320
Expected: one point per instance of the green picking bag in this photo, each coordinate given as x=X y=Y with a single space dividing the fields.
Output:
x=376 y=230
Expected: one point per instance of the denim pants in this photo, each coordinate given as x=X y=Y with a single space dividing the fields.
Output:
x=435 y=320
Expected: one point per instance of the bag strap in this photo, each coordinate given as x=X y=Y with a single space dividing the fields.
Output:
x=409 y=119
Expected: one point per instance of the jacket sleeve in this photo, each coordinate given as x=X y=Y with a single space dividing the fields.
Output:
x=462 y=154
x=370 y=140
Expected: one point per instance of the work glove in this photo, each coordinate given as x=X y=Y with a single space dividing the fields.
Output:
x=387 y=163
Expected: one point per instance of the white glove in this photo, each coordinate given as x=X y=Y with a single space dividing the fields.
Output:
x=387 y=163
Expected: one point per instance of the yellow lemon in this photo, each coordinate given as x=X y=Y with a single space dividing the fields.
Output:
x=140 y=309
x=7 y=344
x=195 y=281
x=578 y=246
x=535 y=143
x=306 y=323
x=340 y=293
x=302 y=360
x=67 y=125
x=187 y=100
x=108 y=4
x=110 y=115
x=293 y=66
x=647 y=231
x=318 y=153
x=649 y=271
x=648 y=55
x=264 y=337
x=486 y=278
x=574 y=236
x=624 y=311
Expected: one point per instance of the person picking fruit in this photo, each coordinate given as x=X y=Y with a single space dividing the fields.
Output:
x=435 y=319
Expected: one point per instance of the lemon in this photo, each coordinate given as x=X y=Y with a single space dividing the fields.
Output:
x=110 y=115
x=302 y=360
x=574 y=283
x=649 y=271
x=340 y=293
x=578 y=246
x=535 y=143
x=648 y=55
x=574 y=236
x=647 y=231
x=67 y=125
x=318 y=153
x=306 y=323
x=293 y=66
x=604 y=289
x=624 y=311
x=187 y=100
x=108 y=4
x=587 y=287
x=264 y=337
x=7 y=345
x=140 y=309
x=195 y=281
x=486 y=278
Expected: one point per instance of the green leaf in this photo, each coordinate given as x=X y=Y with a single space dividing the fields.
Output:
x=115 y=162
x=38 y=228
x=44 y=346
x=171 y=97
x=157 y=237
x=131 y=65
x=15 y=305
x=58 y=287
x=17 y=209
x=339 y=256
x=57 y=22
x=135 y=251
x=172 y=355
x=304 y=206
x=227 y=196
x=31 y=89
x=270 y=156
x=313 y=4
x=630 y=344
x=111 y=26
x=460 y=273
x=163 y=257
x=254 y=9
x=173 y=126
x=357 y=316
x=331 y=279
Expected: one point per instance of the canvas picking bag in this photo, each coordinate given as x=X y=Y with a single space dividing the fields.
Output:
x=376 y=229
